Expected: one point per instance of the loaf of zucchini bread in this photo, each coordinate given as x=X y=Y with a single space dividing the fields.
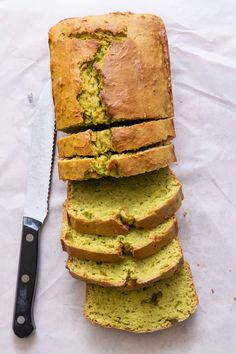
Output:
x=110 y=68
x=112 y=92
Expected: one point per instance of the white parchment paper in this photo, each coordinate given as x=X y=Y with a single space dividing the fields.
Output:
x=202 y=40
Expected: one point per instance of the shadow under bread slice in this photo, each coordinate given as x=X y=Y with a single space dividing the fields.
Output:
x=110 y=206
x=117 y=165
x=131 y=273
x=117 y=139
x=150 y=309
x=138 y=242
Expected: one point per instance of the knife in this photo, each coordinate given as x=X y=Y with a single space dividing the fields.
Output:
x=35 y=211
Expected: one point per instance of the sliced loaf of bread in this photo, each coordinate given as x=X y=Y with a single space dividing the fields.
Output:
x=149 y=309
x=110 y=206
x=140 y=243
x=117 y=165
x=117 y=139
x=131 y=273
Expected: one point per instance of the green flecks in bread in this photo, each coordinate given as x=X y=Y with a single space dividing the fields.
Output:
x=100 y=166
x=130 y=272
x=128 y=198
x=149 y=309
x=103 y=142
x=140 y=243
x=90 y=100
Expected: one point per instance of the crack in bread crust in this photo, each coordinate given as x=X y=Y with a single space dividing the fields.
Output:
x=91 y=82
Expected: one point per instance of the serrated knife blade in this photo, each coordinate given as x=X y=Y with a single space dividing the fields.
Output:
x=40 y=167
x=35 y=210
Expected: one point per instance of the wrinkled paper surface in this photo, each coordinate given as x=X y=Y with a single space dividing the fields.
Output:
x=202 y=41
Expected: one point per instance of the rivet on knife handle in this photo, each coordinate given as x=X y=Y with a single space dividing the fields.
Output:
x=23 y=321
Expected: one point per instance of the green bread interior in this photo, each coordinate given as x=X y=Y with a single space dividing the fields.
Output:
x=152 y=308
x=136 y=239
x=130 y=268
x=100 y=166
x=92 y=106
x=128 y=198
x=103 y=142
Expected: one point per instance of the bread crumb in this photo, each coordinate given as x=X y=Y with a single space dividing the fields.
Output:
x=198 y=265
x=185 y=214
x=212 y=291
x=31 y=98
x=234 y=298
x=230 y=270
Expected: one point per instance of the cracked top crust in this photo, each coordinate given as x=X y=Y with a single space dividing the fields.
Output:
x=126 y=72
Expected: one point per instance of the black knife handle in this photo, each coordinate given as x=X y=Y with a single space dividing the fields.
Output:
x=23 y=321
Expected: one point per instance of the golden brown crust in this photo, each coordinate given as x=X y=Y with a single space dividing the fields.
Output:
x=124 y=138
x=134 y=85
x=143 y=161
x=135 y=71
x=134 y=283
x=139 y=135
x=78 y=169
x=170 y=324
x=80 y=144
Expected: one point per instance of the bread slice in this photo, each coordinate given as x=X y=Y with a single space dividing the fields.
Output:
x=118 y=165
x=131 y=273
x=140 y=243
x=110 y=68
x=150 y=309
x=117 y=139
x=110 y=206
